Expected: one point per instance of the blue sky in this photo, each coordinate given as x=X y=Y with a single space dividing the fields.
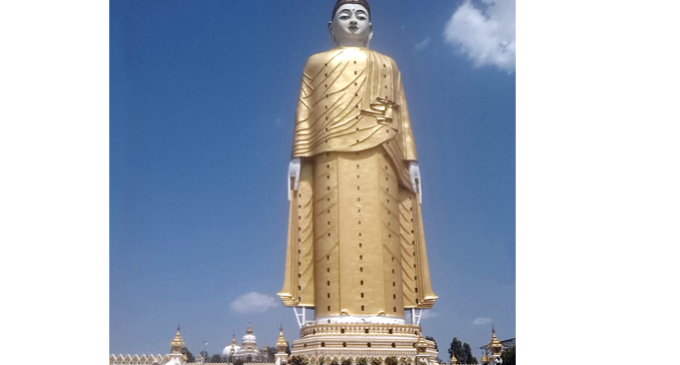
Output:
x=202 y=103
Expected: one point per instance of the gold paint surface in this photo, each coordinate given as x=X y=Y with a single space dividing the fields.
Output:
x=281 y=342
x=355 y=225
x=356 y=253
x=351 y=99
x=177 y=343
x=495 y=344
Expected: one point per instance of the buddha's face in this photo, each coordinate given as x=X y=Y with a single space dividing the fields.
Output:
x=350 y=26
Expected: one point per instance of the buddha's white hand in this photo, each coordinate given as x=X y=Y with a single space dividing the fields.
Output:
x=414 y=171
x=293 y=176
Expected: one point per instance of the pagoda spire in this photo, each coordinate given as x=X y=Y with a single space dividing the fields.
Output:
x=495 y=344
x=282 y=346
x=177 y=342
x=281 y=342
x=485 y=359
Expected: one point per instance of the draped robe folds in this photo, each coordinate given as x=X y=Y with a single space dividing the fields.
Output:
x=356 y=245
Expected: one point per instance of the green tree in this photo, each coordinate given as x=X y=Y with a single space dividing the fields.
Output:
x=375 y=361
x=362 y=361
x=238 y=361
x=456 y=349
x=271 y=354
x=216 y=358
x=322 y=361
x=508 y=356
x=391 y=360
x=468 y=354
x=462 y=351
x=190 y=356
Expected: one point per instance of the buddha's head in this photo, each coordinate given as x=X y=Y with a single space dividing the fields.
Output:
x=351 y=25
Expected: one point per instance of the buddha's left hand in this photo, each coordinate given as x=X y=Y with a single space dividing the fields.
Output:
x=414 y=171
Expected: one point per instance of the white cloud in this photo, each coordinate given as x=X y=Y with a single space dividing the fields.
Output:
x=423 y=44
x=485 y=33
x=481 y=321
x=253 y=303
x=429 y=314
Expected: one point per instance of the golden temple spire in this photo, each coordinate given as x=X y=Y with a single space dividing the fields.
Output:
x=281 y=340
x=454 y=360
x=177 y=342
x=495 y=343
x=233 y=340
x=250 y=329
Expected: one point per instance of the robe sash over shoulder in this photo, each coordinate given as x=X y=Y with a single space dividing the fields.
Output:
x=352 y=99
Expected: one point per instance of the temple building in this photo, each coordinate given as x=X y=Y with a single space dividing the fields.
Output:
x=247 y=351
x=175 y=357
x=493 y=350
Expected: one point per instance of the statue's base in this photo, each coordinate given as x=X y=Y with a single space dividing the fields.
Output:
x=338 y=342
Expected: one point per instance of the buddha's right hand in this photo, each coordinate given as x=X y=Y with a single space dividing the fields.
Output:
x=293 y=176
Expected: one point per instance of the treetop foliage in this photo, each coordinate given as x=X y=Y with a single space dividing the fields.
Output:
x=216 y=359
x=190 y=356
x=462 y=351
x=508 y=356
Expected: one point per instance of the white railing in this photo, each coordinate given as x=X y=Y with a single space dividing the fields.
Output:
x=151 y=359
x=137 y=360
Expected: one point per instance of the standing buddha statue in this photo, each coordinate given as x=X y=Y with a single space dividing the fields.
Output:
x=356 y=246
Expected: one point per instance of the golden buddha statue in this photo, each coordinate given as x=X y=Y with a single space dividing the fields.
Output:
x=356 y=245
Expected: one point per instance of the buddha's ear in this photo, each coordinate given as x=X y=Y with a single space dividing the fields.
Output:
x=330 y=28
x=370 y=35
x=330 y=32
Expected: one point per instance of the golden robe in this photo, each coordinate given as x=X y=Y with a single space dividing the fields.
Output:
x=356 y=244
